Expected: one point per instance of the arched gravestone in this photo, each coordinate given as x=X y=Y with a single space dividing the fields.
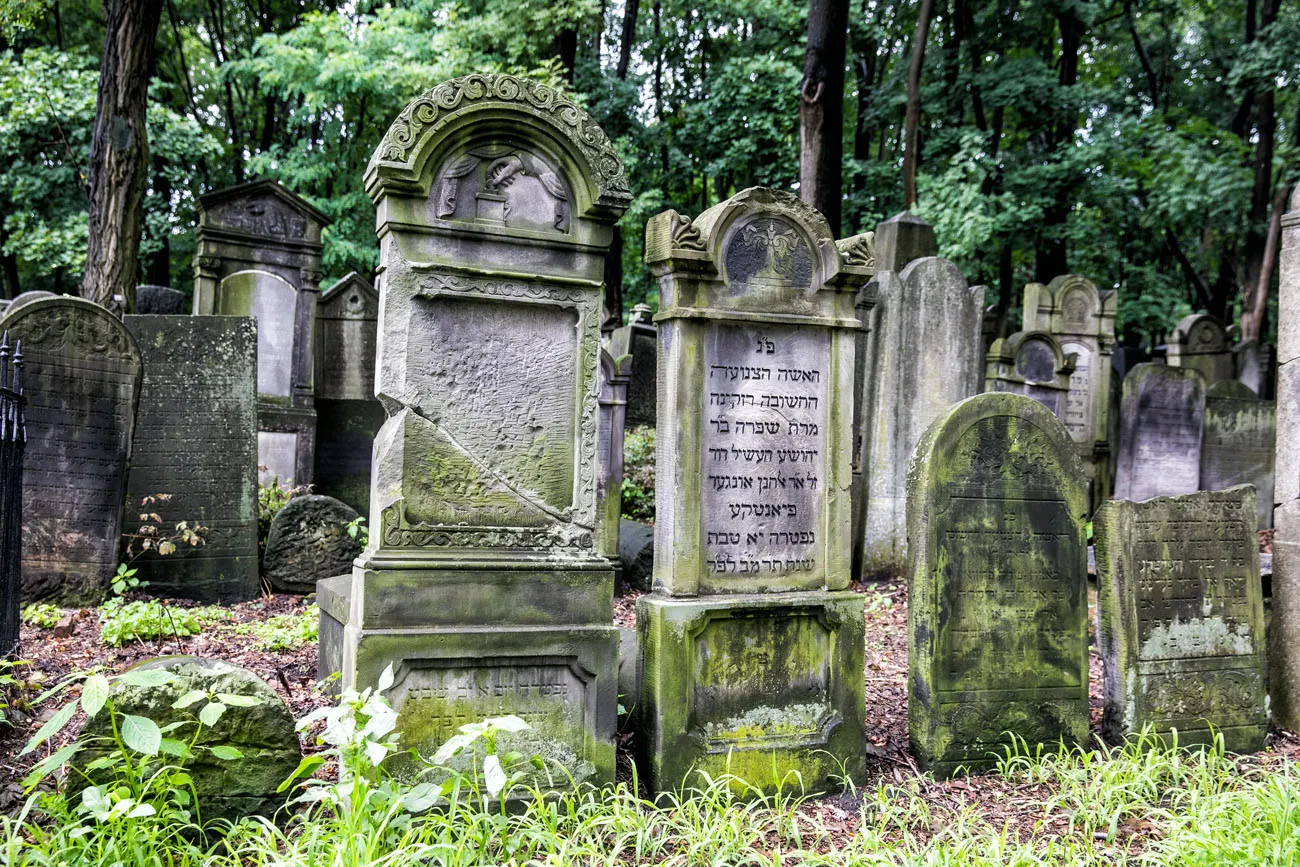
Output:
x=1162 y=417
x=82 y=380
x=1082 y=319
x=998 y=599
x=1031 y=363
x=1199 y=342
x=483 y=586
x=1238 y=442
x=751 y=646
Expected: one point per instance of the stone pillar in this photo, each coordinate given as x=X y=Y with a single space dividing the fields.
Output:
x=1284 y=631
x=483 y=585
x=614 y=376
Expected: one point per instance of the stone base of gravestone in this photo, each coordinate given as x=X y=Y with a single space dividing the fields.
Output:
x=332 y=597
x=308 y=541
x=759 y=686
x=1180 y=619
x=345 y=438
x=562 y=680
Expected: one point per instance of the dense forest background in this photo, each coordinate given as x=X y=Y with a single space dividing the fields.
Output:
x=1148 y=144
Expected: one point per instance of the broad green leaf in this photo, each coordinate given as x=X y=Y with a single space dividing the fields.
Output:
x=239 y=700
x=509 y=723
x=494 y=776
x=173 y=747
x=52 y=762
x=421 y=797
x=52 y=726
x=141 y=734
x=146 y=677
x=94 y=692
x=386 y=679
x=226 y=753
x=211 y=713
x=305 y=768
x=194 y=695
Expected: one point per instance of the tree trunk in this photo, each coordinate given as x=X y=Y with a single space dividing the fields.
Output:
x=912 y=121
x=1262 y=195
x=566 y=48
x=630 y=10
x=119 y=151
x=1254 y=302
x=1050 y=255
x=821 y=109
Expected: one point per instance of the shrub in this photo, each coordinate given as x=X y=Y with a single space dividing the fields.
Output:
x=42 y=614
x=147 y=619
x=639 y=474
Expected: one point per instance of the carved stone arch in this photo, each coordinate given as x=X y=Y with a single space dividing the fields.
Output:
x=457 y=112
x=1077 y=301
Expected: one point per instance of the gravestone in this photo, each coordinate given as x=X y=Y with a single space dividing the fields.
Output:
x=998 y=600
x=82 y=380
x=309 y=541
x=639 y=339
x=1199 y=342
x=1162 y=417
x=614 y=375
x=1031 y=363
x=1238 y=442
x=751 y=645
x=159 y=301
x=347 y=413
x=1180 y=619
x=27 y=297
x=483 y=585
x=1082 y=319
x=923 y=355
x=1284 y=649
x=196 y=440
x=258 y=255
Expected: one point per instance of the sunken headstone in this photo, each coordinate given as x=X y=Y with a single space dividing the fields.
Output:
x=259 y=249
x=196 y=441
x=1199 y=342
x=614 y=374
x=347 y=413
x=751 y=646
x=309 y=540
x=483 y=585
x=998 y=599
x=1161 y=425
x=1238 y=442
x=1284 y=628
x=1181 y=618
x=159 y=301
x=82 y=380
x=639 y=339
x=1031 y=363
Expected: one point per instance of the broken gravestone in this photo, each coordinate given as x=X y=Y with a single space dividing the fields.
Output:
x=309 y=541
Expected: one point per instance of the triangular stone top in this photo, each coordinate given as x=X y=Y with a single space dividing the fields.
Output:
x=350 y=298
x=262 y=209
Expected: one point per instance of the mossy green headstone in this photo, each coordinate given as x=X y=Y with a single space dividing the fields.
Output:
x=998 y=602
x=1181 y=618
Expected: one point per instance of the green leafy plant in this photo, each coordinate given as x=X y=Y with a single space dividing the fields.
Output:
x=358 y=530
x=123 y=621
x=639 y=474
x=12 y=688
x=153 y=535
x=270 y=500
x=42 y=615
x=284 y=631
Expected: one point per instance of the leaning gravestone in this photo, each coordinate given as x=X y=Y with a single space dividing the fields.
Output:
x=309 y=541
x=482 y=585
x=1161 y=425
x=159 y=301
x=1181 y=618
x=1199 y=342
x=82 y=381
x=1237 y=446
x=196 y=441
x=998 y=598
x=751 y=646
x=1031 y=363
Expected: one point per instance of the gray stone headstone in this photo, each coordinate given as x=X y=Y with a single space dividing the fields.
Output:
x=998 y=597
x=1238 y=443
x=82 y=379
x=1161 y=425
x=196 y=440
x=1199 y=342
x=25 y=298
x=1181 y=619
x=309 y=542
x=639 y=339
x=159 y=301
x=1031 y=363
x=614 y=373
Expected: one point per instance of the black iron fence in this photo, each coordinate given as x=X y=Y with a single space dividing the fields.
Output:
x=13 y=439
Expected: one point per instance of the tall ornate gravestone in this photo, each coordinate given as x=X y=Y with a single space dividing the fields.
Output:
x=614 y=376
x=639 y=339
x=1180 y=618
x=82 y=381
x=258 y=255
x=923 y=356
x=998 y=600
x=483 y=585
x=347 y=413
x=1162 y=417
x=196 y=441
x=1199 y=342
x=1082 y=319
x=751 y=646
x=1031 y=363
x=1238 y=442
x=1284 y=649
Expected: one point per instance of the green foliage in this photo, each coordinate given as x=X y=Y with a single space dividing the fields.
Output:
x=122 y=622
x=152 y=535
x=42 y=615
x=270 y=500
x=13 y=688
x=639 y=473
x=284 y=631
x=358 y=530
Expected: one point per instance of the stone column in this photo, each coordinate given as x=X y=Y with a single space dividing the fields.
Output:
x=1284 y=631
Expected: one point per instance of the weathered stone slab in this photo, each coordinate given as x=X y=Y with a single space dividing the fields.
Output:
x=1031 y=363
x=639 y=339
x=196 y=440
x=159 y=301
x=614 y=374
x=82 y=378
x=1181 y=618
x=1238 y=444
x=757 y=685
x=997 y=601
x=1161 y=427
x=1200 y=342
x=308 y=542
x=347 y=323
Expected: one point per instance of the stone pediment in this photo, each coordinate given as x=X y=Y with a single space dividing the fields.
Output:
x=350 y=298
x=265 y=210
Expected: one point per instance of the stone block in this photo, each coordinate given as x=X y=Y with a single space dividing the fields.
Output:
x=1238 y=445
x=767 y=687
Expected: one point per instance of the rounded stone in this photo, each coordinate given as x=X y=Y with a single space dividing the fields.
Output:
x=264 y=734
x=308 y=541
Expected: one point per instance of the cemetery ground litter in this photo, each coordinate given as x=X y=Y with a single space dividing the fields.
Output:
x=1019 y=806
